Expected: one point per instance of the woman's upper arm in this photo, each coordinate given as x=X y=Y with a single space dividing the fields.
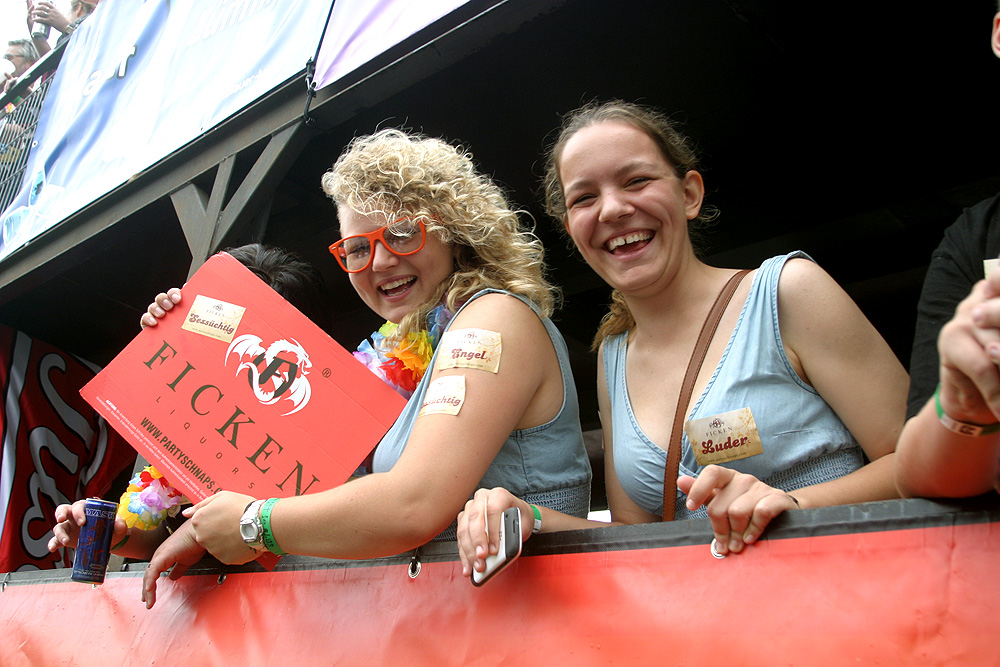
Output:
x=447 y=454
x=842 y=356
x=623 y=509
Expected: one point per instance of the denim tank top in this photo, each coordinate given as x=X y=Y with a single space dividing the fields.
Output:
x=804 y=441
x=545 y=465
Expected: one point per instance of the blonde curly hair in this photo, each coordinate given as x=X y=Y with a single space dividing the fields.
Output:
x=396 y=174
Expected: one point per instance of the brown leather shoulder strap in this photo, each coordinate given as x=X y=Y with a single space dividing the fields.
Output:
x=687 y=386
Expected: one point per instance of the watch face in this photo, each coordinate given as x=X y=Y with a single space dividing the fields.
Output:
x=249 y=531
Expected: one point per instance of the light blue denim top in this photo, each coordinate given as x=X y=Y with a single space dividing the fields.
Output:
x=545 y=465
x=804 y=441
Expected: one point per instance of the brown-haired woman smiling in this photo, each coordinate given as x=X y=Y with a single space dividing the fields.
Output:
x=796 y=390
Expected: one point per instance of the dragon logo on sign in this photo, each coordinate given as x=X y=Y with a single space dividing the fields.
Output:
x=276 y=373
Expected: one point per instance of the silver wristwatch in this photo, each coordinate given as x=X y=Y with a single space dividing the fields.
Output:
x=250 y=526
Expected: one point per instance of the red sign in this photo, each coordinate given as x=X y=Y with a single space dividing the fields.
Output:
x=920 y=596
x=55 y=448
x=235 y=389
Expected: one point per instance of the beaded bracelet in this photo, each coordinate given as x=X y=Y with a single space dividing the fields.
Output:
x=962 y=428
x=265 y=522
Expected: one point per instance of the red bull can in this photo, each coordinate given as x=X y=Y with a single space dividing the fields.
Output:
x=94 y=546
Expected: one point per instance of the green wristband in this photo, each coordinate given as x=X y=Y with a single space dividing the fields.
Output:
x=265 y=523
x=537 y=528
x=118 y=546
x=962 y=428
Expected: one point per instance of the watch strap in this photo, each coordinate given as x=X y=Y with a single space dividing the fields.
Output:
x=251 y=513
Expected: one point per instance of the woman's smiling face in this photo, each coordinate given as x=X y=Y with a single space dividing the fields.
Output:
x=627 y=211
x=394 y=286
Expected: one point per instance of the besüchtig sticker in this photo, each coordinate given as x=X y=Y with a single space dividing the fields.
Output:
x=213 y=318
x=445 y=396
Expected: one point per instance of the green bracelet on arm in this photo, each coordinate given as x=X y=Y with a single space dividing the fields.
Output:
x=265 y=523
x=128 y=534
x=962 y=428
x=537 y=528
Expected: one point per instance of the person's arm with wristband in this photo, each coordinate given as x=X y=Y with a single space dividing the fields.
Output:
x=950 y=448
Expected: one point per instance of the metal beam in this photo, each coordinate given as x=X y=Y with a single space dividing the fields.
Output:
x=78 y=236
x=208 y=221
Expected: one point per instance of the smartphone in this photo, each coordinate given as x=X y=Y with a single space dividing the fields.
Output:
x=510 y=547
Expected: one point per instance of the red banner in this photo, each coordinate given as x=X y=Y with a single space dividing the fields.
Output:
x=922 y=596
x=55 y=448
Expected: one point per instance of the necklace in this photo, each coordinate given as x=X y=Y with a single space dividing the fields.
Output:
x=148 y=500
x=401 y=366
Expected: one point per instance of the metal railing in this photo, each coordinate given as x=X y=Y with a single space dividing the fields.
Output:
x=20 y=108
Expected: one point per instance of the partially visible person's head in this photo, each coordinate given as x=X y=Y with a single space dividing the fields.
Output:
x=289 y=275
x=674 y=146
x=22 y=53
x=995 y=41
x=393 y=174
x=81 y=8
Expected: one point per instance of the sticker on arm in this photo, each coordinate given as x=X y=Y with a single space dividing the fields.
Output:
x=478 y=349
x=445 y=396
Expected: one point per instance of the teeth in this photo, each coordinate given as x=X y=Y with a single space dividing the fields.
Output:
x=396 y=283
x=629 y=238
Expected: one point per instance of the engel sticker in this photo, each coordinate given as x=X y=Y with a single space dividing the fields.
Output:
x=444 y=396
x=724 y=437
x=479 y=349
x=213 y=318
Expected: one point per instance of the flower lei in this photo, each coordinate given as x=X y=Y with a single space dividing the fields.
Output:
x=148 y=500
x=402 y=366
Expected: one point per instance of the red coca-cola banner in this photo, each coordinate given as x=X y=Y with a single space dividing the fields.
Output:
x=55 y=447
